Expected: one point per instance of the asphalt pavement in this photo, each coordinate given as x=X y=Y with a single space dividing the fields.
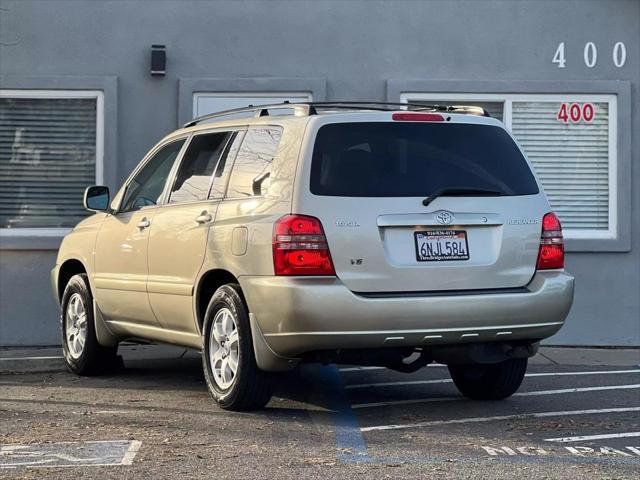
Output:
x=577 y=415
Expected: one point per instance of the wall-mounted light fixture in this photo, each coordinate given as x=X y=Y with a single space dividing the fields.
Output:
x=158 y=60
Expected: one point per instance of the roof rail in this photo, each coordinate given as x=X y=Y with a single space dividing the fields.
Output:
x=304 y=109
x=300 y=110
x=384 y=106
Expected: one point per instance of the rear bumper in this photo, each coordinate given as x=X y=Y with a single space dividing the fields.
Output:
x=297 y=314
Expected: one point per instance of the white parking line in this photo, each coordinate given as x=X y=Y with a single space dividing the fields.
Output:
x=131 y=452
x=544 y=374
x=523 y=394
x=597 y=372
x=501 y=417
x=578 y=389
x=115 y=412
x=593 y=437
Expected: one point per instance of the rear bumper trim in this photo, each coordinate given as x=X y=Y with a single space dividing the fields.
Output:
x=462 y=331
x=441 y=293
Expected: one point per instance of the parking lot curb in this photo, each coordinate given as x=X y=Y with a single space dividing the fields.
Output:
x=31 y=365
x=39 y=360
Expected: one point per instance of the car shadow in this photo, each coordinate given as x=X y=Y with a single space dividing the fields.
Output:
x=296 y=392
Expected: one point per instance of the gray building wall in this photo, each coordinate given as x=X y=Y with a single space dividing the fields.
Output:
x=349 y=50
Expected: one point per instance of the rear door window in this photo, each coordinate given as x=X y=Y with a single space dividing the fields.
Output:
x=252 y=169
x=223 y=170
x=382 y=159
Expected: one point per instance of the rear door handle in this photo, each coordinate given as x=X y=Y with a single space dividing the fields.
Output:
x=144 y=223
x=204 y=217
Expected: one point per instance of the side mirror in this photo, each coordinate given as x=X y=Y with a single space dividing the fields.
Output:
x=96 y=199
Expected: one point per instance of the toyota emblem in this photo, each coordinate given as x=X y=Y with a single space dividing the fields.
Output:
x=444 y=218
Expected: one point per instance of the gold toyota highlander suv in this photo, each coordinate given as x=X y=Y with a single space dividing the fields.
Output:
x=370 y=234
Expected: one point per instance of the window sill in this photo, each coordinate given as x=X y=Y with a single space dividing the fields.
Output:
x=594 y=241
x=32 y=238
x=595 y=245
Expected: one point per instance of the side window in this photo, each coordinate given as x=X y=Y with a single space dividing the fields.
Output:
x=224 y=166
x=252 y=168
x=195 y=173
x=147 y=186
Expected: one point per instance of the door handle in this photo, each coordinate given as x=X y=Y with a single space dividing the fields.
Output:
x=144 y=223
x=204 y=217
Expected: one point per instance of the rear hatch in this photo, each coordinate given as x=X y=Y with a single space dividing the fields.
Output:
x=422 y=206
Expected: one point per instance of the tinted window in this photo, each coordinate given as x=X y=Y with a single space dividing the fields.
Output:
x=252 y=168
x=147 y=186
x=195 y=173
x=224 y=166
x=416 y=159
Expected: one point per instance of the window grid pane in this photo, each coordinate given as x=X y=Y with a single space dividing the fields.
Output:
x=571 y=160
x=47 y=159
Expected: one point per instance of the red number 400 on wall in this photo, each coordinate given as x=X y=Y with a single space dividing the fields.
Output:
x=575 y=112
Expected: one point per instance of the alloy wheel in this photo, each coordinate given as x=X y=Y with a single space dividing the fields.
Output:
x=224 y=348
x=76 y=325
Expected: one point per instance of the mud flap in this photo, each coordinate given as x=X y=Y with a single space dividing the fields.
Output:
x=103 y=334
x=267 y=359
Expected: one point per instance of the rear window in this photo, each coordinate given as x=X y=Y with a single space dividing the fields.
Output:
x=416 y=159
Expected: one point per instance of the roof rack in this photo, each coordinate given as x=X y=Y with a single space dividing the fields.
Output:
x=305 y=109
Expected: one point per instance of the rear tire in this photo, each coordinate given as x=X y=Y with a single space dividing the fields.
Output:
x=230 y=370
x=82 y=352
x=489 y=382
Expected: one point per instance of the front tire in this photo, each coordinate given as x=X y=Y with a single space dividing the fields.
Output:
x=82 y=352
x=230 y=370
x=489 y=382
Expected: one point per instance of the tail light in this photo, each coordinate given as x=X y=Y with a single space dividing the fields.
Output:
x=300 y=247
x=551 y=253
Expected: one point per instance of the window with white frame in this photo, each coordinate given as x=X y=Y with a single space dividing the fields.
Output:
x=51 y=146
x=205 y=103
x=571 y=141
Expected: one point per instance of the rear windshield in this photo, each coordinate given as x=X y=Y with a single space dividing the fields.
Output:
x=416 y=159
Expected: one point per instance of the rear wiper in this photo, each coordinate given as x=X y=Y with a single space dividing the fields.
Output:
x=459 y=192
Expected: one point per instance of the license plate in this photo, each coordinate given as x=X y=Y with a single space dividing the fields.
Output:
x=441 y=245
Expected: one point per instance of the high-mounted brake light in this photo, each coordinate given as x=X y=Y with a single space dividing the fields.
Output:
x=417 y=117
x=300 y=247
x=551 y=253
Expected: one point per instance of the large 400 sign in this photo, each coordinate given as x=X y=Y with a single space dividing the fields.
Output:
x=590 y=55
x=575 y=112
